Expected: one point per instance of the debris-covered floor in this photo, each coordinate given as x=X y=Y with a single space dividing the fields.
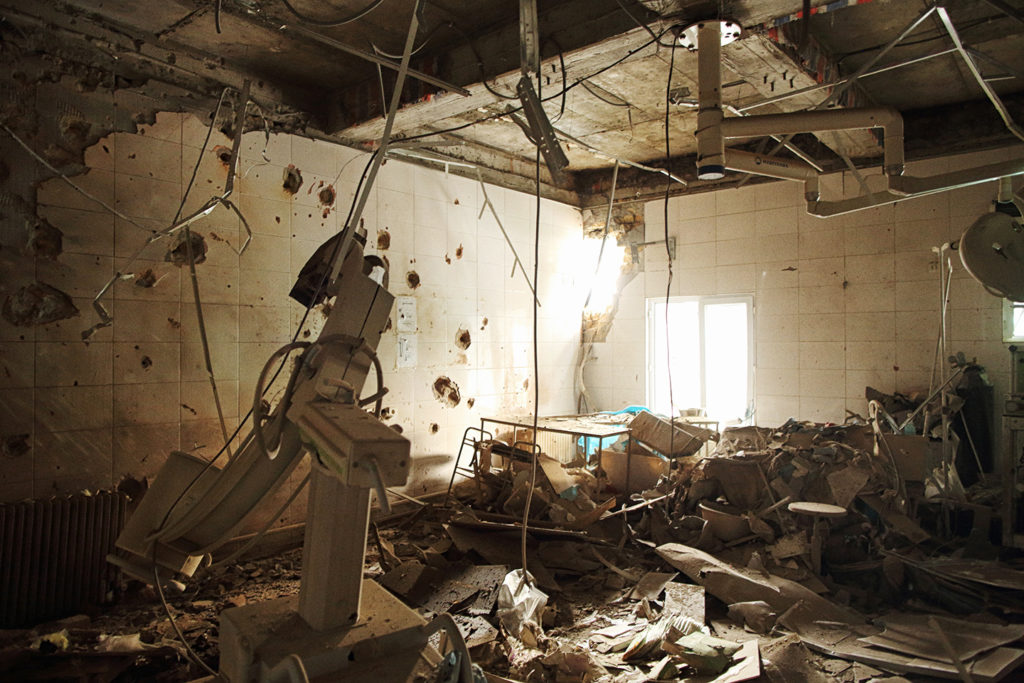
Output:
x=793 y=554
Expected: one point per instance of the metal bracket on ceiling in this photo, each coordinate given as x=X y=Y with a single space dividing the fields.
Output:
x=729 y=31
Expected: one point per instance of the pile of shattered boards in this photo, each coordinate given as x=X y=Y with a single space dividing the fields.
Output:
x=804 y=553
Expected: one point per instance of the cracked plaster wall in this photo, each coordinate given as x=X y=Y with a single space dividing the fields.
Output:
x=77 y=414
x=840 y=303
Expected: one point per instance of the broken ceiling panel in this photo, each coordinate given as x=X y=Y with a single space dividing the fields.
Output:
x=619 y=108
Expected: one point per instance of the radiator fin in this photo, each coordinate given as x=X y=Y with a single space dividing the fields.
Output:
x=53 y=556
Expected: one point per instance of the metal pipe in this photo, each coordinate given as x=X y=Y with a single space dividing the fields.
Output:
x=868 y=65
x=801 y=122
x=790 y=146
x=775 y=167
x=806 y=121
x=907 y=186
x=832 y=84
x=1011 y=125
x=369 y=56
x=886 y=118
x=624 y=162
x=772 y=167
x=349 y=230
x=710 y=141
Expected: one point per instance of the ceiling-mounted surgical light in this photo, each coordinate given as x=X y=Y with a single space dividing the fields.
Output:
x=992 y=248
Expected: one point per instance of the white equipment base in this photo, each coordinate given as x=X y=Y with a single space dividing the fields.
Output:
x=385 y=645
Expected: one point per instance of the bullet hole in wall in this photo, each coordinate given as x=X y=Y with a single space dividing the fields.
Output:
x=292 y=179
x=38 y=304
x=446 y=391
x=327 y=196
x=14 y=445
x=146 y=279
x=178 y=254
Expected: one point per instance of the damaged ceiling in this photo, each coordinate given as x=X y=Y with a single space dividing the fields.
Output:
x=604 y=69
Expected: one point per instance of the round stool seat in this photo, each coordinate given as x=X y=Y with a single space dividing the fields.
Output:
x=819 y=510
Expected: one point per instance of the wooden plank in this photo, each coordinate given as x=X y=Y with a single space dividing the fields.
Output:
x=911 y=635
x=989 y=668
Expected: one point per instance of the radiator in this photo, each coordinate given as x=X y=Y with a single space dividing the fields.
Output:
x=52 y=556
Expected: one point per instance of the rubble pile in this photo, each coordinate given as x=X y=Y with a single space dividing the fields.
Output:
x=806 y=552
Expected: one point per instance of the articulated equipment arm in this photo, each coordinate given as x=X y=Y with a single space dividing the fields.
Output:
x=339 y=625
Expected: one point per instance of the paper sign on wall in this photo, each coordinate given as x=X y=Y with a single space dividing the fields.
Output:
x=406 y=309
x=406 y=351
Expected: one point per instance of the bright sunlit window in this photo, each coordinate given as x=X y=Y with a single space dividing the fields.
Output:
x=711 y=358
x=1013 y=320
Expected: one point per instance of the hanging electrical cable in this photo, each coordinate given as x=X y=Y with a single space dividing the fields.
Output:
x=565 y=76
x=668 y=250
x=595 y=91
x=514 y=110
x=534 y=451
x=644 y=25
x=197 y=300
x=298 y=330
x=433 y=32
x=328 y=23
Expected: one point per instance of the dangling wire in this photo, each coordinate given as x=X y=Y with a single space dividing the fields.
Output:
x=668 y=250
x=327 y=23
x=535 y=453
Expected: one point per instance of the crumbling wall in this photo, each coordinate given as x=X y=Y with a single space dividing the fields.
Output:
x=840 y=303
x=88 y=413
